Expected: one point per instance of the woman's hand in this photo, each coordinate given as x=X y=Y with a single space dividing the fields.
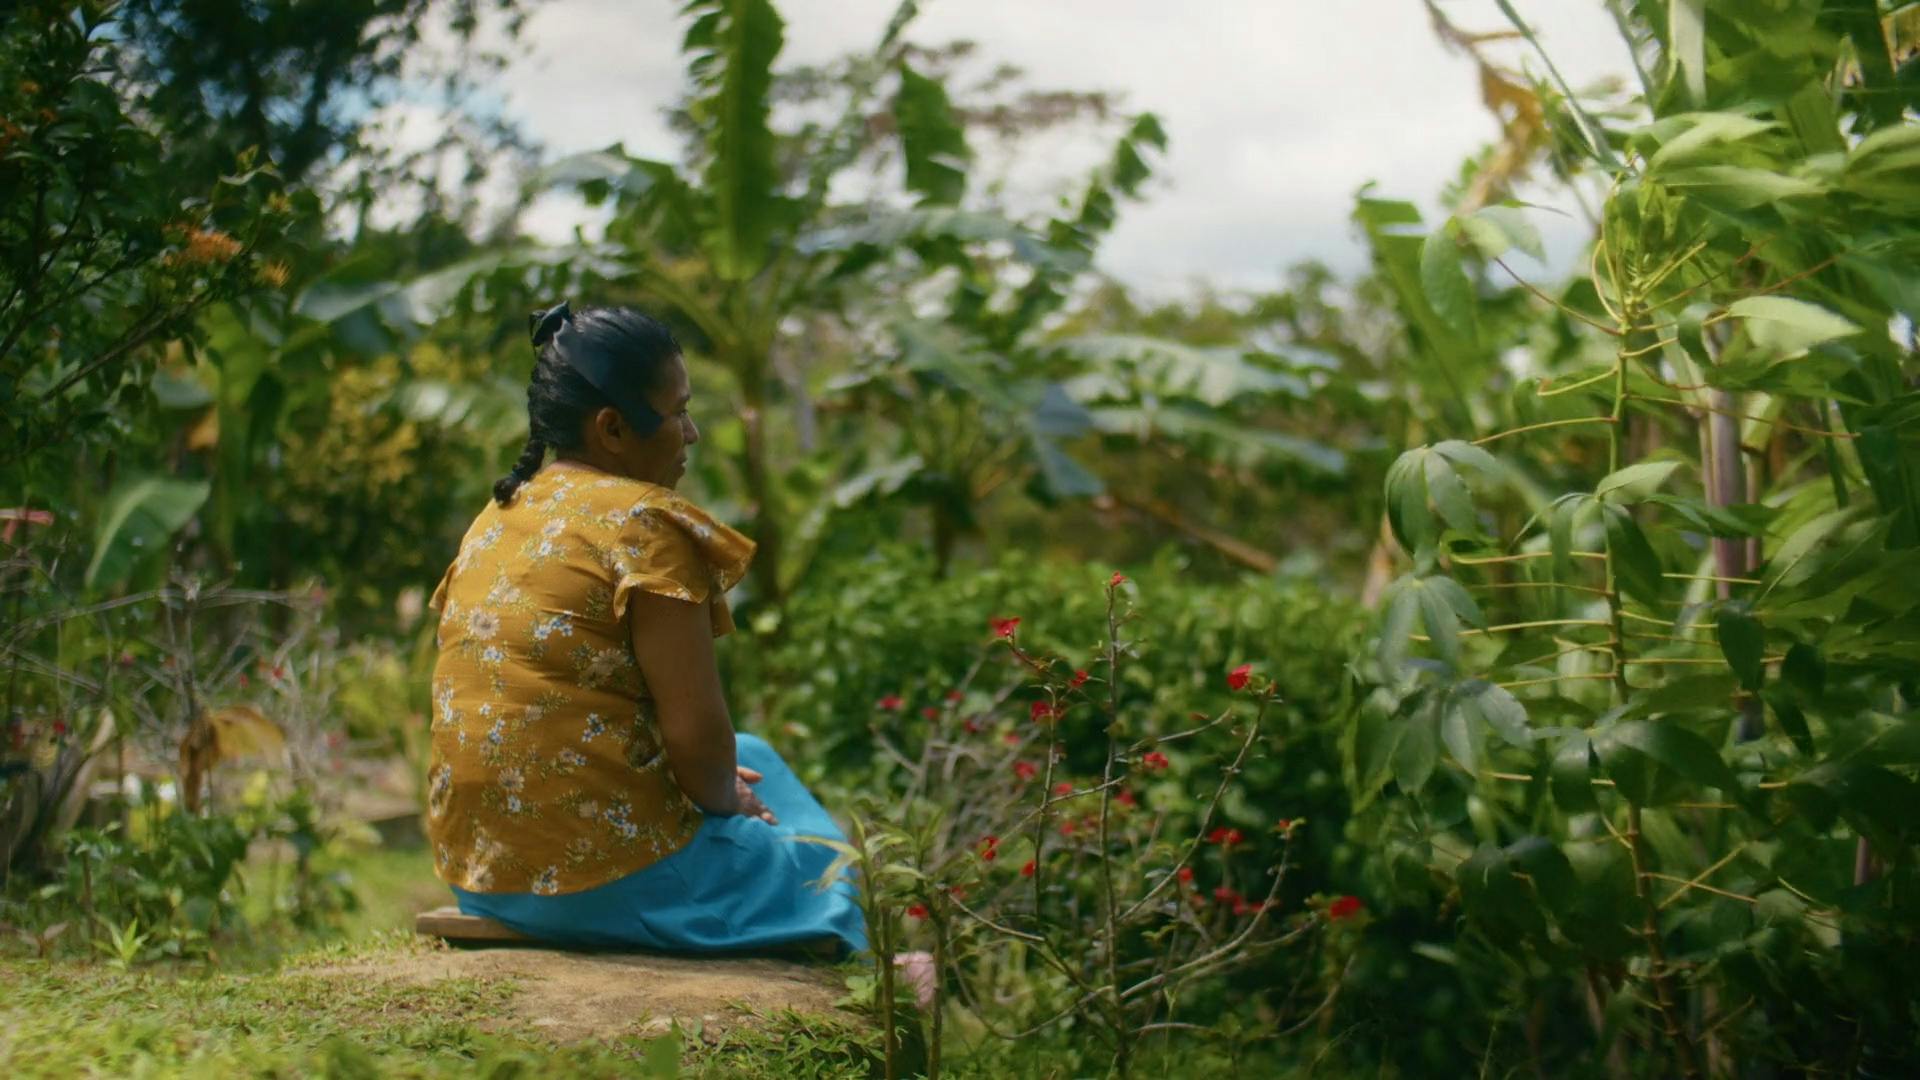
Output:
x=750 y=803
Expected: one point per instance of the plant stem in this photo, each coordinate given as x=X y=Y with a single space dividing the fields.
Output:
x=1121 y=1034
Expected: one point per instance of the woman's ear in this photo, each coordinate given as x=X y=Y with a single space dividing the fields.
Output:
x=604 y=429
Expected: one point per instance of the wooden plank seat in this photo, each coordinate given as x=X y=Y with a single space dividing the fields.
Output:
x=455 y=927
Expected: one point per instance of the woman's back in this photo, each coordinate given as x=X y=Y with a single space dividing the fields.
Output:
x=548 y=772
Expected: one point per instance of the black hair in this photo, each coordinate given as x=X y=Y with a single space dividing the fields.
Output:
x=568 y=346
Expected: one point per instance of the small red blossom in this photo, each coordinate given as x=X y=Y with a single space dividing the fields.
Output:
x=891 y=703
x=1237 y=678
x=1196 y=900
x=1226 y=896
x=1153 y=760
x=929 y=712
x=1068 y=828
x=958 y=892
x=279 y=671
x=917 y=911
x=1125 y=798
x=954 y=695
x=1079 y=680
x=1224 y=835
x=126 y=659
x=1185 y=875
x=1344 y=907
x=989 y=848
x=1005 y=627
x=1025 y=770
x=59 y=728
x=1042 y=712
x=1012 y=738
x=1064 y=787
x=1028 y=869
x=243 y=680
x=973 y=726
x=1118 y=579
x=1244 y=907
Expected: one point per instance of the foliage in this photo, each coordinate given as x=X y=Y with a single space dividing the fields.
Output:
x=1651 y=734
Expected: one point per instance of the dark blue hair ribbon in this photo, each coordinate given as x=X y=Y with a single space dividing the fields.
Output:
x=596 y=365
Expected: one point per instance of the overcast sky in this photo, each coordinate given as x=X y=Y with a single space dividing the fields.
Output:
x=1277 y=110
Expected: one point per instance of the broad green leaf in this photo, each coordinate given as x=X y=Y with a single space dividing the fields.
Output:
x=1704 y=137
x=1675 y=748
x=880 y=480
x=1805 y=671
x=742 y=175
x=1459 y=599
x=1793 y=722
x=1445 y=281
x=1690 y=693
x=931 y=140
x=1737 y=186
x=1442 y=625
x=1462 y=732
x=1465 y=453
x=1687 y=45
x=1419 y=751
x=1743 y=643
x=1634 y=482
x=1739 y=520
x=1494 y=229
x=141 y=517
x=1636 y=568
x=1560 y=524
x=1063 y=476
x=1407 y=512
x=1788 y=326
x=1450 y=495
x=1572 y=775
x=1396 y=629
x=1497 y=708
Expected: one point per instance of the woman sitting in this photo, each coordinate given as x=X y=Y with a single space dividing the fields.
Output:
x=586 y=785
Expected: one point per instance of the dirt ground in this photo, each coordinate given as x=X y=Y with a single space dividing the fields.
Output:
x=572 y=996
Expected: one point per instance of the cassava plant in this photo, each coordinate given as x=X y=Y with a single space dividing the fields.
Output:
x=1656 y=735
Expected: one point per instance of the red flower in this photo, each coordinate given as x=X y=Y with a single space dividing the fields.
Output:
x=1012 y=738
x=1242 y=907
x=1185 y=875
x=59 y=728
x=973 y=726
x=1153 y=760
x=1043 y=712
x=989 y=848
x=929 y=712
x=1224 y=835
x=1226 y=896
x=1079 y=680
x=279 y=671
x=958 y=892
x=1125 y=798
x=243 y=680
x=1064 y=787
x=1005 y=627
x=1028 y=869
x=126 y=659
x=1344 y=907
x=1284 y=824
x=891 y=703
x=1237 y=678
x=917 y=911
x=1067 y=827
x=1116 y=580
x=954 y=695
x=1025 y=770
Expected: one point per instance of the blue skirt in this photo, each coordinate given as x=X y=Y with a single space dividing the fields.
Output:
x=739 y=885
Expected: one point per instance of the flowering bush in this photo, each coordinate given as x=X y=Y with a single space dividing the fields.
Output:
x=1080 y=867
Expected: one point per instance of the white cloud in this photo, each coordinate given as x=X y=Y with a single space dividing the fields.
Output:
x=1277 y=110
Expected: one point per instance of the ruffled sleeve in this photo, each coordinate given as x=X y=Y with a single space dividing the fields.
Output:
x=670 y=547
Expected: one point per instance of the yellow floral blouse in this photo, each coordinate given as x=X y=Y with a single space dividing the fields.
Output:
x=548 y=774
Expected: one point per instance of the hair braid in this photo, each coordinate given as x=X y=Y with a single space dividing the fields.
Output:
x=522 y=470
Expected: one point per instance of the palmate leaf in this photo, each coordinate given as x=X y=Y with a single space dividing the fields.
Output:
x=1634 y=482
x=1636 y=568
x=1444 y=280
x=1687 y=45
x=1667 y=744
x=1743 y=643
x=1424 y=491
x=1787 y=326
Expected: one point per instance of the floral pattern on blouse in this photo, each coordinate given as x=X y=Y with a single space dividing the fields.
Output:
x=548 y=773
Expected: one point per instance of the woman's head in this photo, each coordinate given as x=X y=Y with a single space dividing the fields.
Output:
x=609 y=389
